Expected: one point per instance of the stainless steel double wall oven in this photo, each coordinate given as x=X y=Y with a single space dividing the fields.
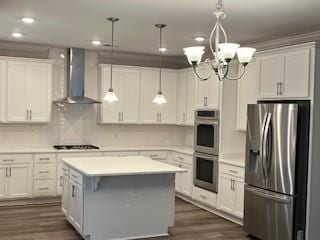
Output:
x=206 y=146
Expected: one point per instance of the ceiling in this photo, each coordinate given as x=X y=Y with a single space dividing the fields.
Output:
x=77 y=22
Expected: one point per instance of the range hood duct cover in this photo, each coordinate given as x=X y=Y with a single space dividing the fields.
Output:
x=75 y=79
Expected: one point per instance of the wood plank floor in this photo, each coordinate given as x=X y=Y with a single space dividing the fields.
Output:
x=46 y=222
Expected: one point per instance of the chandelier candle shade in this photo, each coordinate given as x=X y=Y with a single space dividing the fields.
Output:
x=110 y=95
x=160 y=98
x=223 y=53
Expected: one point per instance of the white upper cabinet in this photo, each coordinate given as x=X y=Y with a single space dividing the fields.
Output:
x=152 y=112
x=248 y=87
x=186 y=94
x=207 y=91
x=285 y=75
x=126 y=85
x=29 y=91
x=3 y=75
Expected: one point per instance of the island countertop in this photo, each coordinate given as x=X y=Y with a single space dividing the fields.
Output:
x=119 y=166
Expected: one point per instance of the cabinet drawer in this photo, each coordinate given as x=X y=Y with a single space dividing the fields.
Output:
x=44 y=187
x=187 y=159
x=41 y=158
x=15 y=158
x=75 y=176
x=205 y=197
x=156 y=155
x=121 y=154
x=232 y=170
x=45 y=171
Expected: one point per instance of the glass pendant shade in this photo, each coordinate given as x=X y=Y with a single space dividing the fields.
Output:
x=159 y=98
x=110 y=96
x=228 y=50
x=194 y=54
x=245 y=54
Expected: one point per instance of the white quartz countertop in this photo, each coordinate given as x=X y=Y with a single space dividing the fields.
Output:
x=119 y=166
x=181 y=149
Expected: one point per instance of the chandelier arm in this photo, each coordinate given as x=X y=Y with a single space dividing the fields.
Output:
x=239 y=75
x=199 y=77
x=224 y=33
x=221 y=73
x=210 y=40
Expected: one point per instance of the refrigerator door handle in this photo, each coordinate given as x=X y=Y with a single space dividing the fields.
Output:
x=262 y=147
x=265 y=156
x=274 y=197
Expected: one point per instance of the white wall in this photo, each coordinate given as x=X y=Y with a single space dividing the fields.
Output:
x=78 y=124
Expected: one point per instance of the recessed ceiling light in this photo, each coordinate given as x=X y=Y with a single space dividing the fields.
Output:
x=96 y=42
x=28 y=20
x=62 y=55
x=16 y=34
x=199 y=39
x=163 y=49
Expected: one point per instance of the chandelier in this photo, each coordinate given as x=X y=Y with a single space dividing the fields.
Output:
x=223 y=53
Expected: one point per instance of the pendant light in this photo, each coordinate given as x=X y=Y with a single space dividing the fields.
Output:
x=110 y=95
x=159 y=98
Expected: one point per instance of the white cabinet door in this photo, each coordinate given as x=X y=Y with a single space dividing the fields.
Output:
x=17 y=91
x=227 y=194
x=149 y=88
x=271 y=75
x=296 y=74
x=3 y=181
x=78 y=201
x=191 y=98
x=168 y=111
x=3 y=75
x=182 y=98
x=178 y=180
x=186 y=180
x=110 y=112
x=39 y=91
x=65 y=196
x=208 y=91
x=129 y=95
x=19 y=183
x=248 y=87
x=239 y=198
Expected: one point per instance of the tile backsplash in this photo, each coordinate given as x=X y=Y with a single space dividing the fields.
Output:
x=79 y=125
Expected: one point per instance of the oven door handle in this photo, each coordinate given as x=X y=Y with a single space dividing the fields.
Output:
x=208 y=157
x=207 y=122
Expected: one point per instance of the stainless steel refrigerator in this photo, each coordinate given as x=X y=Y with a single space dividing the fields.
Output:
x=276 y=170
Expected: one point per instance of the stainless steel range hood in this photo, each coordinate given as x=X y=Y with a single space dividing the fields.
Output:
x=75 y=79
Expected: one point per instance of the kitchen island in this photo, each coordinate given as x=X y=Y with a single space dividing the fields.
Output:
x=119 y=197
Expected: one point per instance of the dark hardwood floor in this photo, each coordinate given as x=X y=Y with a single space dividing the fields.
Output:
x=46 y=222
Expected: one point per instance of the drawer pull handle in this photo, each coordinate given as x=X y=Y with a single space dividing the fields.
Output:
x=8 y=160
x=233 y=171
x=181 y=158
x=74 y=176
x=204 y=197
x=43 y=188
x=44 y=171
x=44 y=158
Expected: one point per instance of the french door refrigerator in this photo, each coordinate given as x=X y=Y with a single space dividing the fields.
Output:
x=276 y=170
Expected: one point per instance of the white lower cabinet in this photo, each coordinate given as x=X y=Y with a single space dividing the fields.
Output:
x=205 y=197
x=231 y=190
x=65 y=190
x=3 y=175
x=161 y=156
x=17 y=181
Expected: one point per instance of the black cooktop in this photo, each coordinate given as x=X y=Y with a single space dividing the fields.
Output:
x=75 y=147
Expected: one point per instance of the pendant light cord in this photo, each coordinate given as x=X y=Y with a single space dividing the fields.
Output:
x=111 y=62
x=160 y=60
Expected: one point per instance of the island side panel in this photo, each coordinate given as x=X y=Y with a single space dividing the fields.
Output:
x=129 y=207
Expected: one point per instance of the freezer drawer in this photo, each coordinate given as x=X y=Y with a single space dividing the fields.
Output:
x=268 y=215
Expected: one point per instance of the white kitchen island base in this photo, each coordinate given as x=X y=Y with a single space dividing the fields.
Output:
x=122 y=206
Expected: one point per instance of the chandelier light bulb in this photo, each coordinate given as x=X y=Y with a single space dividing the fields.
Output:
x=194 y=54
x=228 y=50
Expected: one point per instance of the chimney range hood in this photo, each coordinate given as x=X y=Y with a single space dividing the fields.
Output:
x=75 y=79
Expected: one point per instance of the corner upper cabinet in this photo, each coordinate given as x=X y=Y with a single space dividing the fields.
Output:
x=152 y=112
x=208 y=91
x=29 y=91
x=248 y=87
x=126 y=85
x=285 y=74
x=3 y=75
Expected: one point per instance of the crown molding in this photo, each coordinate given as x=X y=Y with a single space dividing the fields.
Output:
x=285 y=41
x=24 y=47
